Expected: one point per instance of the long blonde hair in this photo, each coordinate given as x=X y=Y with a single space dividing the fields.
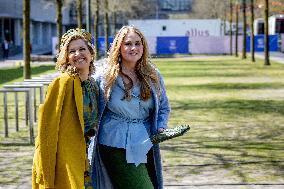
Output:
x=145 y=69
x=62 y=63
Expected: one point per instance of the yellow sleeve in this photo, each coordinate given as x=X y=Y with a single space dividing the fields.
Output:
x=48 y=127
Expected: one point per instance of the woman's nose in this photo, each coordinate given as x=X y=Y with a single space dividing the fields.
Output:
x=77 y=52
x=133 y=47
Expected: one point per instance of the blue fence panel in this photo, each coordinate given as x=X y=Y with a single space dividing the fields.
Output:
x=259 y=43
x=172 y=45
x=101 y=44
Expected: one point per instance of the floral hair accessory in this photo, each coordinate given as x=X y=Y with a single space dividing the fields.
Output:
x=75 y=32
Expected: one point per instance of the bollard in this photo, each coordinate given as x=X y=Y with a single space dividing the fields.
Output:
x=6 y=115
x=17 y=112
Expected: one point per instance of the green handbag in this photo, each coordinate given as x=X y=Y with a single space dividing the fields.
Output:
x=169 y=134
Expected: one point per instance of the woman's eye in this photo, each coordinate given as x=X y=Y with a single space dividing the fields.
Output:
x=71 y=52
x=82 y=49
x=127 y=44
x=138 y=44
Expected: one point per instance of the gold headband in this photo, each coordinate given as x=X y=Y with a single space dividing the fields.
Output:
x=75 y=32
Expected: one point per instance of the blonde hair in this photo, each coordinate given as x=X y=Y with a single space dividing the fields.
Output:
x=145 y=69
x=62 y=63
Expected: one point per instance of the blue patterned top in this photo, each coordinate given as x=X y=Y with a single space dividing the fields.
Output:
x=125 y=124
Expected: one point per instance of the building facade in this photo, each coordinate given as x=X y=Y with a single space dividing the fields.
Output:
x=42 y=24
x=166 y=8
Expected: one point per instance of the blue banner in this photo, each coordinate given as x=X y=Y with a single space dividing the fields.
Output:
x=101 y=44
x=259 y=43
x=172 y=45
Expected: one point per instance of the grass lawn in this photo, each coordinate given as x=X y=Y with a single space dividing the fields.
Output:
x=236 y=112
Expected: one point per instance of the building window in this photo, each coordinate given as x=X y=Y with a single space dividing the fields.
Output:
x=175 y=5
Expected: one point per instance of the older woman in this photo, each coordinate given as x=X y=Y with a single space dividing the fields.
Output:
x=67 y=118
x=132 y=106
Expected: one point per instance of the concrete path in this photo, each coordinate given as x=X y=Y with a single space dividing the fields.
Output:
x=16 y=60
x=274 y=56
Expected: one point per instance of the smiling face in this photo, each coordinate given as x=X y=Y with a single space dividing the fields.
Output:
x=79 y=55
x=131 y=48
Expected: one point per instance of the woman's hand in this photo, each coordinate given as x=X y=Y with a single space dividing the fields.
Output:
x=161 y=130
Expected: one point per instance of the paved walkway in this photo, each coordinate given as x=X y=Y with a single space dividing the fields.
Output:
x=17 y=60
x=274 y=56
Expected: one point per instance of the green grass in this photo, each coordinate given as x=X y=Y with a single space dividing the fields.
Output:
x=16 y=73
x=236 y=112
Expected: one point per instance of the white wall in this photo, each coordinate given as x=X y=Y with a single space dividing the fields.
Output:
x=213 y=45
x=181 y=27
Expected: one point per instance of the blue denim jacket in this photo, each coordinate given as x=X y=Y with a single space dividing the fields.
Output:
x=159 y=119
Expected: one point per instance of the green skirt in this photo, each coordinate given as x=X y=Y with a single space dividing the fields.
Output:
x=122 y=174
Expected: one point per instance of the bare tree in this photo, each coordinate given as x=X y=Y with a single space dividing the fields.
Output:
x=266 y=39
x=244 y=56
x=205 y=9
x=230 y=20
x=106 y=25
x=59 y=29
x=130 y=9
x=88 y=15
x=79 y=14
x=252 y=30
x=26 y=39
x=96 y=27
x=237 y=28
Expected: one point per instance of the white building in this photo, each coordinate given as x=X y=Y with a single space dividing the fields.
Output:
x=275 y=22
x=180 y=27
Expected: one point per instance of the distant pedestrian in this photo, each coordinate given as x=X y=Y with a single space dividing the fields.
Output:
x=5 y=47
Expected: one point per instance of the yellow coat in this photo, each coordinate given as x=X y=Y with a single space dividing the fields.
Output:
x=60 y=148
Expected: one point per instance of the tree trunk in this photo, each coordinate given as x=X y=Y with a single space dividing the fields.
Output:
x=26 y=39
x=59 y=21
x=79 y=14
x=114 y=20
x=88 y=15
x=252 y=30
x=244 y=55
x=237 y=30
x=96 y=29
x=231 y=37
x=106 y=26
x=266 y=39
